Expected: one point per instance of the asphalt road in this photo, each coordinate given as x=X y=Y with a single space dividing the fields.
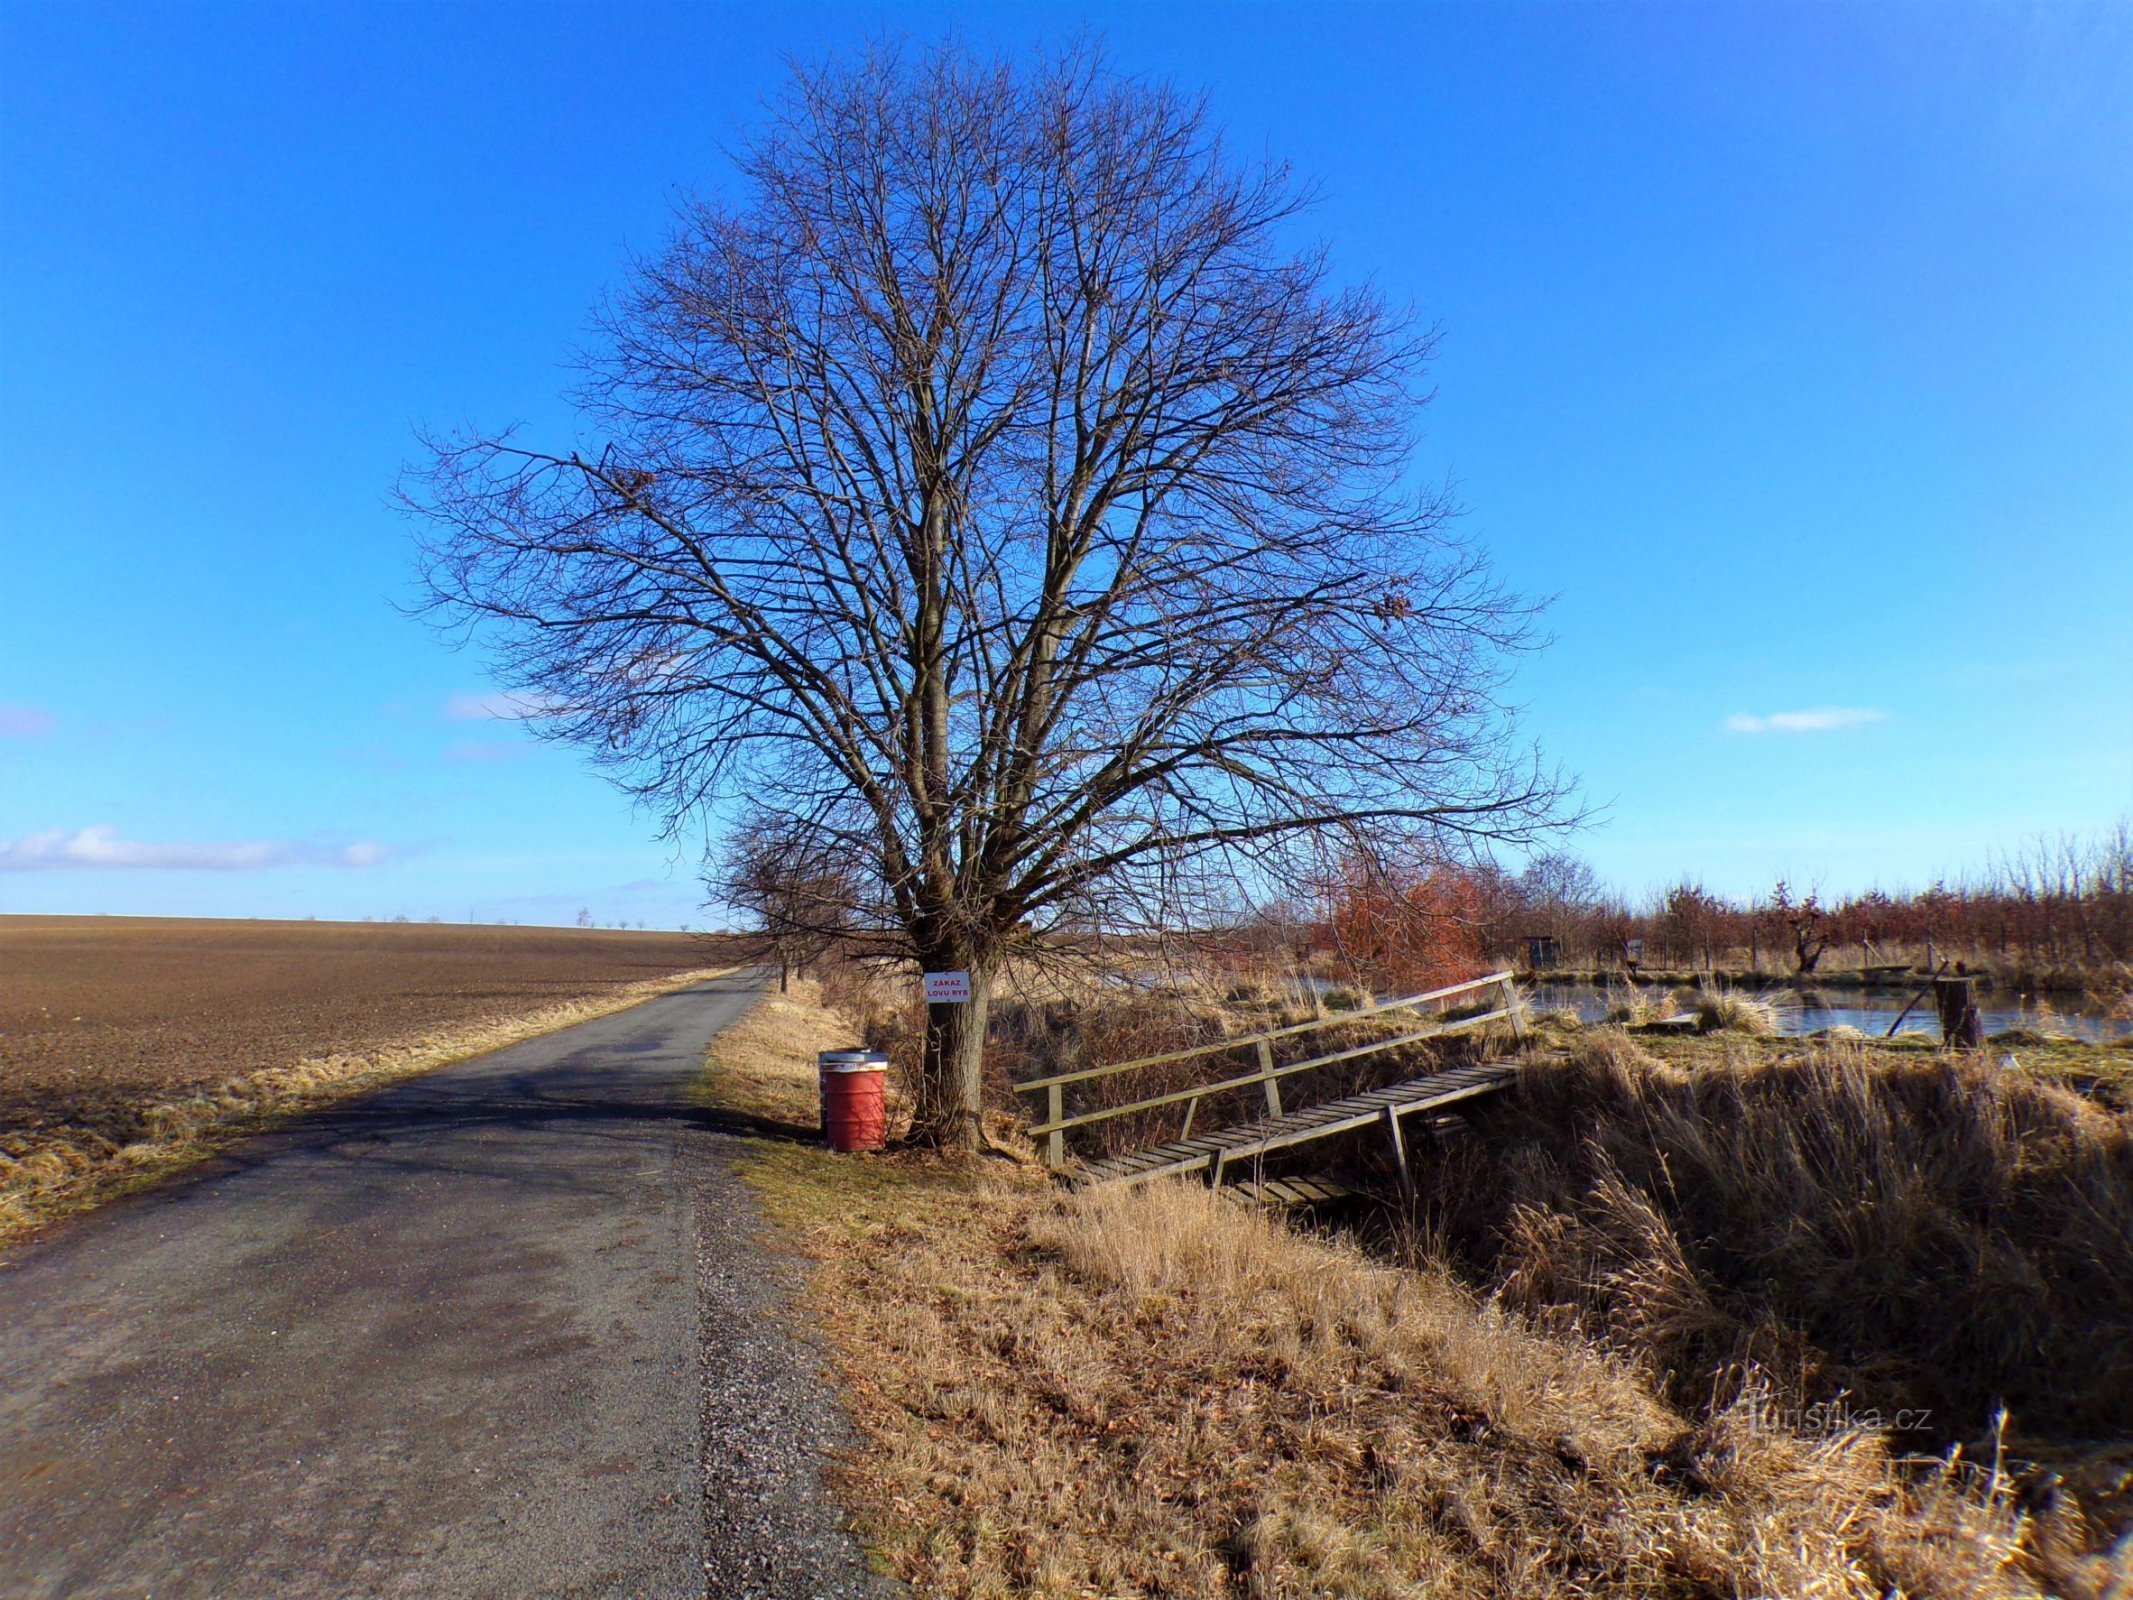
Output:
x=505 y=1330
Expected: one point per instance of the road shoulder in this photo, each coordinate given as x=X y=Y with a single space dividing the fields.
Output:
x=773 y=1429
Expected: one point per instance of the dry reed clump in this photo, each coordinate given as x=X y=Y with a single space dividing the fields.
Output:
x=1151 y=1391
x=1920 y=1232
x=49 y=1172
x=1728 y=1011
x=1641 y=1008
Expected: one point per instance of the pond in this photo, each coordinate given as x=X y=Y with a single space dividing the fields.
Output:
x=1870 y=1010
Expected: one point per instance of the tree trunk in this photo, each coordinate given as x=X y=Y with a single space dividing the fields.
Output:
x=951 y=1088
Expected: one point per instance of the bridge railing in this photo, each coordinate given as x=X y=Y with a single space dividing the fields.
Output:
x=1508 y=1007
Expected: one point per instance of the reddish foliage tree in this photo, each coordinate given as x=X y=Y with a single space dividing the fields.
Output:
x=1409 y=930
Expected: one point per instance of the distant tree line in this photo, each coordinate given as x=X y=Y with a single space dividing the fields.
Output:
x=2060 y=906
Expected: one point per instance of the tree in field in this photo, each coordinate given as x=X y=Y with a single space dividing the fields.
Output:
x=799 y=892
x=994 y=496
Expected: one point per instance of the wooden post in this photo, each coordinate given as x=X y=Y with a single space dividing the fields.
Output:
x=1191 y=1106
x=1398 y=1141
x=1055 y=1141
x=1959 y=1021
x=1273 y=1084
x=1516 y=1004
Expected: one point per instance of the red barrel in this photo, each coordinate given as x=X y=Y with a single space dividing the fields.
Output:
x=826 y=1063
x=855 y=1106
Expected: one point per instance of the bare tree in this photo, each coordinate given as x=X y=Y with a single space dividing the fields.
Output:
x=995 y=496
x=800 y=896
x=1808 y=924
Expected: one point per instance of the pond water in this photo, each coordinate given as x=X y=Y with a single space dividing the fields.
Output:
x=1870 y=1010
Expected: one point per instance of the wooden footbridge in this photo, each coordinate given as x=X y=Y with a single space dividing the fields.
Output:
x=1241 y=1147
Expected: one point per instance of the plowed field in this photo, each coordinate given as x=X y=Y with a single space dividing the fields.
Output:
x=101 y=1017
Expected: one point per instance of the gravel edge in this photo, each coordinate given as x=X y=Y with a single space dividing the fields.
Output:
x=771 y=1422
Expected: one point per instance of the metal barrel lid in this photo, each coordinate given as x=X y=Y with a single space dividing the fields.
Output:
x=852 y=1061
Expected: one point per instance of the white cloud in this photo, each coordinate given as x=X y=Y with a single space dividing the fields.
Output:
x=25 y=722
x=1822 y=719
x=497 y=706
x=101 y=846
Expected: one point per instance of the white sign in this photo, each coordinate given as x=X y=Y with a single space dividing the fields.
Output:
x=947 y=988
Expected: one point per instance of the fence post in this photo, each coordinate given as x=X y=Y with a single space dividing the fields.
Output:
x=1055 y=1141
x=1516 y=1004
x=1393 y=1136
x=1273 y=1084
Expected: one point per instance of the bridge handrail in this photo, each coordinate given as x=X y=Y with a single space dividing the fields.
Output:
x=1336 y=1020
x=1056 y=1121
x=1247 y=1080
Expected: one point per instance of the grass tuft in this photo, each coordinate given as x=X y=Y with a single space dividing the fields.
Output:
x=1728 y=1011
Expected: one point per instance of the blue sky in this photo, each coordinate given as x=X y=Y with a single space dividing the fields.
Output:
x=1789 y=347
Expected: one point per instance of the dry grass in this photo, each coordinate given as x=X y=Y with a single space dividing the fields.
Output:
x=50 y=1171
x=1830 y=1221
x=764 y=1065
x=1151 y=1392
x=1919 y=1230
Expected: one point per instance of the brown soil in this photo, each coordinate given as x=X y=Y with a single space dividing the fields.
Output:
x=102 y=1017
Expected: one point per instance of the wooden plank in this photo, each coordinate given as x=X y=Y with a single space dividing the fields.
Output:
x=1359 y=1118
x=1251 y=1141
x=1102 y=1173
x=1320 y=1191
x=1132 y=1163
x=1152 y=1157
x=1341 y=1115
x=1286 y=1192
